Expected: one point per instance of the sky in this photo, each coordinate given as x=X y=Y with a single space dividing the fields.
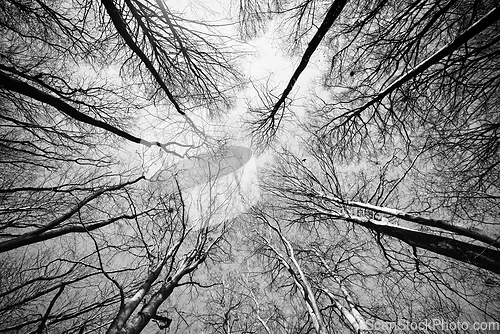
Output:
x=265 y=62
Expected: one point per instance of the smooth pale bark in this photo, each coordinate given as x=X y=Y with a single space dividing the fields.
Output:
x=355 y=320
x=308 y=293
x=136 y=324
x=257 y=313
x=438 y=223
x=128 y=307
x=352 y=316
x=299 y=279
x=481 y=257
x=128 y=323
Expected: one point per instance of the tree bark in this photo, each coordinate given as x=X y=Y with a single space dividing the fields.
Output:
x=331 y=16
x=121 y=27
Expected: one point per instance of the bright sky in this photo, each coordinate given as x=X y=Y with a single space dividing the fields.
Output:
x=265 y=62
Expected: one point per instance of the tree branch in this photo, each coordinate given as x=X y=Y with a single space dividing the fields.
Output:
x=482 y=257
x=476 y=28
x=38 y=234
x=331 y=16
x=121 y=27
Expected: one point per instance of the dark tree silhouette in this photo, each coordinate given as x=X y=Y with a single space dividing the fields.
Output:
x=382 y=204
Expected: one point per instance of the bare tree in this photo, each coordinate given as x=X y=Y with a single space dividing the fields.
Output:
x=430 y=90
x=80 y=232
x=242 y=298
x=288 y=261
x=325 y=209
x=404 y=152
x=269 y=117
x=386 y=212
x=112 y=274
x=78 y=46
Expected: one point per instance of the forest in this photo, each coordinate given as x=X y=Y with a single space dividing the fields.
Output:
x=249 y=166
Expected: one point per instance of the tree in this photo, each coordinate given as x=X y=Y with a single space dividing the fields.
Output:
x=408 y=71
x=197 y=72
x=92 y=271
x=266 y=125
x=319 y=212
x=381 y=207
x=353 y=276
x=80 y=232
x=404 y=112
